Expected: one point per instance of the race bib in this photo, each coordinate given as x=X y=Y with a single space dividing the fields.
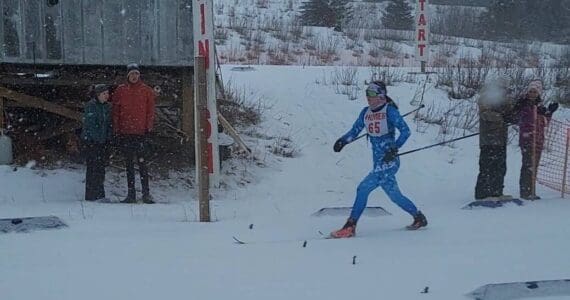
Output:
x=376 y=122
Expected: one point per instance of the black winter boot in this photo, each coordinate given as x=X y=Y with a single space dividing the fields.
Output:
x=130 y=199
x=419 y=222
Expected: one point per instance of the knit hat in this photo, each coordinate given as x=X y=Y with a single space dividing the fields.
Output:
x=378 y=88
x=133 y=67
x=99 y=88
x=535 y=84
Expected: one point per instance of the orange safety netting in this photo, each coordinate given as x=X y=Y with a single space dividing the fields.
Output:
x=553 y=166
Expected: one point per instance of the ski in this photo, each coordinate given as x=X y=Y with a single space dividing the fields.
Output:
x=238 y=241
x=322 y=236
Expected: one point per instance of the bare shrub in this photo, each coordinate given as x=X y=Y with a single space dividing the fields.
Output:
x=396 y=35
x=284 y=147
x=238 y=107
x=272 y=24
x=519 y=79
x=386 y=74
x=296 y=29
x=345 y=81
x=276 y=56
x=353 y=33
x=374 y=52
x=221 y=35
x=455 y=118
x=262 y=3
x=328 y=44
x=463 y=80
x=281 y=34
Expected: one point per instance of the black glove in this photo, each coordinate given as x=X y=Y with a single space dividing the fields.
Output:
x=552 y=107
x=338 y=145
x=541 y=110
x=390 y=155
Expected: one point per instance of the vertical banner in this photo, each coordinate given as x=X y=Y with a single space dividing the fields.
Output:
x=422 y=30
x=203 y=23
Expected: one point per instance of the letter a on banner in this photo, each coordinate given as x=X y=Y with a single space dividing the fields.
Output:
x=203 y=23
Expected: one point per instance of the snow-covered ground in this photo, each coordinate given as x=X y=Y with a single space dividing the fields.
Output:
x=115 y=251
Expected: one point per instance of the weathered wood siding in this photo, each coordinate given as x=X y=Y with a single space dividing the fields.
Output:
x=97 y=32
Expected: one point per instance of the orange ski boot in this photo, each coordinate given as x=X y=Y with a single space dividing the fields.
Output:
x=347 y=231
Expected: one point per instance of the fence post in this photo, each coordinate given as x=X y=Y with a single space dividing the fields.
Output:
x=565 y=162
x=202 y=124
x=1 y=115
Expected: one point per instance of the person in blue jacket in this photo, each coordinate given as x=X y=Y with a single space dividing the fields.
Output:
x=380 y=120
x=95 y=137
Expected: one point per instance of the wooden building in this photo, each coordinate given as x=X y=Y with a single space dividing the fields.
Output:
x=51 y=51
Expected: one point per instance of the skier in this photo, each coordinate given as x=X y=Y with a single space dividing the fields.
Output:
x=380 y=119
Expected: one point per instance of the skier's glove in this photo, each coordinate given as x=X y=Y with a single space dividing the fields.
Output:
x=390 y=155
x=552 y=107
x=541 y=110
x=338 y=145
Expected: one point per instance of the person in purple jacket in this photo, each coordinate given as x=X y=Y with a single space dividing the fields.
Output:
x=532 y=118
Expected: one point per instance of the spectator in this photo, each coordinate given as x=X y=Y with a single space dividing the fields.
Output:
x=95 y=136
x=133 y=118
x=532 y=117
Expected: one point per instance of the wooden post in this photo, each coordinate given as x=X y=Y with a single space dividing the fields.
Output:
x=1 y=115
x=565 y=170
x=533 y=153
x=201 y=127
x=233 y=133
x=423 y=67
x=187 y=103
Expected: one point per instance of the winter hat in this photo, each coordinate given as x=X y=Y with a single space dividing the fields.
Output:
x=535 y=84
x=132 y=68
x=99 y=88
x=378 y=88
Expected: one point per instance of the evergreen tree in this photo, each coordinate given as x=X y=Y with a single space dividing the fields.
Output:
x=327 y=13
x=545 y=20
x=312 y=12
x=398 y=16
x=343 y=13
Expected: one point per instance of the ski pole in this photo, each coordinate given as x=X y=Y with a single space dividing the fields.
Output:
x=406 y=114
x=438 y=144
x=443 y=143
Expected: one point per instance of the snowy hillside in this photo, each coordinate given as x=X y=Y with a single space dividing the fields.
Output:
x=116 y=251
x=270 y=32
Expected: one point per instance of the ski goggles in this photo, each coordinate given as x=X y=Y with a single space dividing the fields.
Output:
x=372 y=93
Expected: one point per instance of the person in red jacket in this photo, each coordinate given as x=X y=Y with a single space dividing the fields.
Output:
x=133 y=119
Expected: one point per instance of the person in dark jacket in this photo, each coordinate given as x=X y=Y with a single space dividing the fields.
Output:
x=532 y=117
x=96 y=134
x=133 y=119
x=495 y=109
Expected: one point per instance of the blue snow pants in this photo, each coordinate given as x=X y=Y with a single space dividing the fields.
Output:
x=384 y=177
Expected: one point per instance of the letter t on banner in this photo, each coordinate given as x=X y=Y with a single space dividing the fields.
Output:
x=203 y=23
x=422 y=32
